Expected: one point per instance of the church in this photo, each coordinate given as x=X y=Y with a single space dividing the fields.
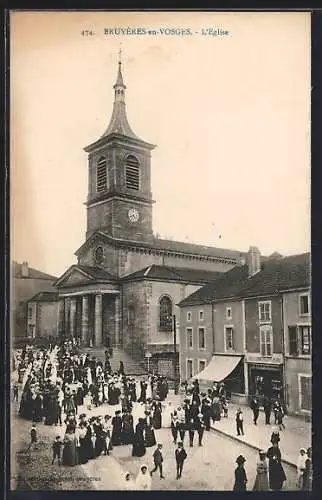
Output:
x=124 y=290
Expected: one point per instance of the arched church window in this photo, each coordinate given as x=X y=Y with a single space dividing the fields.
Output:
x=101 y=175
x=165 y=307
x=132 y=173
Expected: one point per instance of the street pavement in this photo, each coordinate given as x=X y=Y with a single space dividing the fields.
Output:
x=297 y=433
x=210 y=467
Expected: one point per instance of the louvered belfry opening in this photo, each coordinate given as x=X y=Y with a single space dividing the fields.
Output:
x=101 y=175
x=132 y=173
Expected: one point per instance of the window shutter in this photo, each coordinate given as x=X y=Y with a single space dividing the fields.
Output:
x=292 y=341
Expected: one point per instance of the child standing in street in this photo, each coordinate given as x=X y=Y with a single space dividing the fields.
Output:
x=239 y=422
x=33 y=437
x=57 y=446
x=225 y=407
x=158 y=460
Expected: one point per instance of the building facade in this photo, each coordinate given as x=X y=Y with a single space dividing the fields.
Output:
x=298 y=350
x=26 y=283
x=42 y=316
x=264 y=345
x=259 y=317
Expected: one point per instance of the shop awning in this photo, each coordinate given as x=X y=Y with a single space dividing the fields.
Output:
x=219 y=368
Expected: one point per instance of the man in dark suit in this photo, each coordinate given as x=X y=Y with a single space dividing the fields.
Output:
x=267 y=409
x=255 y=407
x=180 y=455
x=158 y=460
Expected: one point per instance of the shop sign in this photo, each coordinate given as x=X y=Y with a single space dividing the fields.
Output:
x=276 y=359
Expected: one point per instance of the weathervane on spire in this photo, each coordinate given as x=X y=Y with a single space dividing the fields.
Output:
x=120 y=53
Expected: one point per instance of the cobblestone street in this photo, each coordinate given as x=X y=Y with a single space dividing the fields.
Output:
x=210 y=467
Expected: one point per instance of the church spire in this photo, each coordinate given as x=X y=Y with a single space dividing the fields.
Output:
x=119 y=86
x=119 y=123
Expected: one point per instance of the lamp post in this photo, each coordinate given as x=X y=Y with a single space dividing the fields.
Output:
x=173 y=326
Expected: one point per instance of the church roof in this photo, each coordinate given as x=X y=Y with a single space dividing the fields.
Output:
x=276 y=276
x=32 y=273
x=193 y=248
x=96 y=273
x=176 y=247
x=119 y=123
x=169 y=273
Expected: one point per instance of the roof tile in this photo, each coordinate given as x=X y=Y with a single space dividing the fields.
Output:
x=275 y=277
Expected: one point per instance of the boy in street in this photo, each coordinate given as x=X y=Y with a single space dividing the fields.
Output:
x=180 y=455
x=239 y=422
x=158 y=460
x=33 y=437
x=15 y=392
x=57 y=445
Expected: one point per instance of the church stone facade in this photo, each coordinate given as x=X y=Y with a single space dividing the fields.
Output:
x=126 y=285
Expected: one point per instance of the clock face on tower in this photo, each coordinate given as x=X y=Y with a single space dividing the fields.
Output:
x=133 y=215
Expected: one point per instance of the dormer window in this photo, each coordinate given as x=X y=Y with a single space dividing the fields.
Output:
x=101 y=175
x=132 y=173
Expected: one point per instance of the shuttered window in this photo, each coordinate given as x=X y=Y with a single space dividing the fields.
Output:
x=101 y=177
x=132 y=173
x=305 y=393
x=292 y=341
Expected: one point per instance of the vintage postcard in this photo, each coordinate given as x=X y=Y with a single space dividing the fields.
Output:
x=160 y=251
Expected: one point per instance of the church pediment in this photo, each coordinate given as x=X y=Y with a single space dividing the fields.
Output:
x=74 y=276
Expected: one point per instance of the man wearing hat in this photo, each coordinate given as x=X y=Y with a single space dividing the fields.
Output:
x=180 y=456
x=240 y=474
x=200 y=426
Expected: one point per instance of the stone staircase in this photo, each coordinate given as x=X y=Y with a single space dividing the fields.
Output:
x=131 y=366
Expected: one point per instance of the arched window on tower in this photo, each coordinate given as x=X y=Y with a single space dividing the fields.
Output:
x=165 y=308
x=101 y=175
x=132 y=173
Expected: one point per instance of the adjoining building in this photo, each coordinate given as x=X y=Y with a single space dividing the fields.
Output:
x=255 y=338
x=42 y=318
x=26 y=282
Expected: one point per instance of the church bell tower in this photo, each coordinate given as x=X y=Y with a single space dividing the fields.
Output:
x=119 y=200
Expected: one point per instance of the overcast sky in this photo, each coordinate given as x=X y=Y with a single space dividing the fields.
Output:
x=230 y=117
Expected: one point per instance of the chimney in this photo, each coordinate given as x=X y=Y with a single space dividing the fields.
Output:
x=241 y=260
x=253 y=261
x=24 y=270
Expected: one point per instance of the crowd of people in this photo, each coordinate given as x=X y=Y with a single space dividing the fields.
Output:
x=56 y=382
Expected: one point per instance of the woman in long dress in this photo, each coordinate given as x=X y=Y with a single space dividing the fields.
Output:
x=157 y=415
x=240 y=475
x=138 y=449
x=143 y=480
x=167 y=410
x=149 y=389
x=82 y=444
x=261 y=481
x=69 y=450
x=127 y=428
x=276 y=471
x=149 y=435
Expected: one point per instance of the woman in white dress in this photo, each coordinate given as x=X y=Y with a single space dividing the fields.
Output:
x=89 y=376
x=167 y=410
x=148 y=389
x=143 y=480
x=128 y=482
